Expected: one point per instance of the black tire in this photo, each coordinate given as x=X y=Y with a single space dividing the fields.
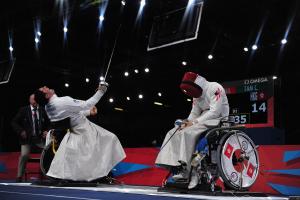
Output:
x=46 y=159
x=234 y=175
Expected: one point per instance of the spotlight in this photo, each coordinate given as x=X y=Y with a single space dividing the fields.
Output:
x=123 y=2
x=101 y=18
x=39 y=33
x=254 y=47
x=36 y=40
x=67 y=85
x=119 y=109
x=128 y=98
x=136 y=71
x=11 y=48
x=111 y=100
x=210 y=56
x=65 y=29
x=147 y=70
x=140 y=96
x=126 y=74
x=143 y=3
x=283 y=41
x=191 y=2
x=188 y=99
x=158 y=103
x=101 y=78
x=87 y=80
x=274 y=77
x=159 y=94
x=246 y=49
x=184 y=63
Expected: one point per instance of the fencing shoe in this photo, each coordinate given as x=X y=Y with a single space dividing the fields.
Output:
x=194 y=179
x=182 y=175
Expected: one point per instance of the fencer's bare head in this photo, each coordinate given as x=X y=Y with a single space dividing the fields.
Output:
x=32 y=100
x=43 y=94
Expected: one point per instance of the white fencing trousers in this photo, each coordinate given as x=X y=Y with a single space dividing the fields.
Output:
x=182 y=145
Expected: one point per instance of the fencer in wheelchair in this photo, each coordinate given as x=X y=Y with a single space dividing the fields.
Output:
x=207 y=145
x=86 y=152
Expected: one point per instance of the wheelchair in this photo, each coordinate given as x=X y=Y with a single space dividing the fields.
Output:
x=58 y=131
x=224 y=152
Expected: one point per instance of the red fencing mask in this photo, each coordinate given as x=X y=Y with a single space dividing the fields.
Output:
x=189 y=86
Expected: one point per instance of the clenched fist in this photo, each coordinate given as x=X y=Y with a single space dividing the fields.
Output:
x=103 y=86
x=93 y=111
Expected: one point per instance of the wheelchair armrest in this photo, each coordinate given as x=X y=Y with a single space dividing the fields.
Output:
x=227 y=121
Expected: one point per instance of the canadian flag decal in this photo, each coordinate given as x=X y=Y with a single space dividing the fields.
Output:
x=218 y=94
x=228 y=150
x=250 y=170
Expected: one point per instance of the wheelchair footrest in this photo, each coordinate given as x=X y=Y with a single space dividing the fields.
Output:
x=201 y=190
x=179 y=185
x=69 y=183
x=66 y=184
x=182 y=187
x=205 y=190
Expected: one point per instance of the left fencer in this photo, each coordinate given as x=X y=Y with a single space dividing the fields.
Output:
x=88 y=151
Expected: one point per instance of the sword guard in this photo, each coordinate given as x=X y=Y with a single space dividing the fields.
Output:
x=103 y=83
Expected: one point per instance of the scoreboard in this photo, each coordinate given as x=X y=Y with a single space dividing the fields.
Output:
x=251 y=101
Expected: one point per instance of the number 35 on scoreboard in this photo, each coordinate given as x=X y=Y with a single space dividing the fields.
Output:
x=241 y=118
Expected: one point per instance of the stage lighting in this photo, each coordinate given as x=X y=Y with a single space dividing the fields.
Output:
x=283 y=41
x=101 y=18
x=158 y=103
x=254 y=47
x=143 y=3
x=119 y=109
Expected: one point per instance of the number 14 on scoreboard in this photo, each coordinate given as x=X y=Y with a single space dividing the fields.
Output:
x=259 y=107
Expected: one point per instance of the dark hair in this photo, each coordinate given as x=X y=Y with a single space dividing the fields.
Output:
x=40 y=98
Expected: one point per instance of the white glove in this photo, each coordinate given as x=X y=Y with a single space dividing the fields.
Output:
x=103 y=86
x=178 y=122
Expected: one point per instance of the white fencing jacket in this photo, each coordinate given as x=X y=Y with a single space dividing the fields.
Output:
x=88 y=151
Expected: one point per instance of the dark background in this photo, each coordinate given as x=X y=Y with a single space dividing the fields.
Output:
x=226 y=27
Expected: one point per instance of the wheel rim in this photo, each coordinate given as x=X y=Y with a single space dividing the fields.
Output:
x=46 y=159
x=239 y=160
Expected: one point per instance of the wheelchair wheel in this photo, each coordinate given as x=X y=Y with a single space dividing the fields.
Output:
x=46 y=158
x=49 y=151
x=238 y=160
